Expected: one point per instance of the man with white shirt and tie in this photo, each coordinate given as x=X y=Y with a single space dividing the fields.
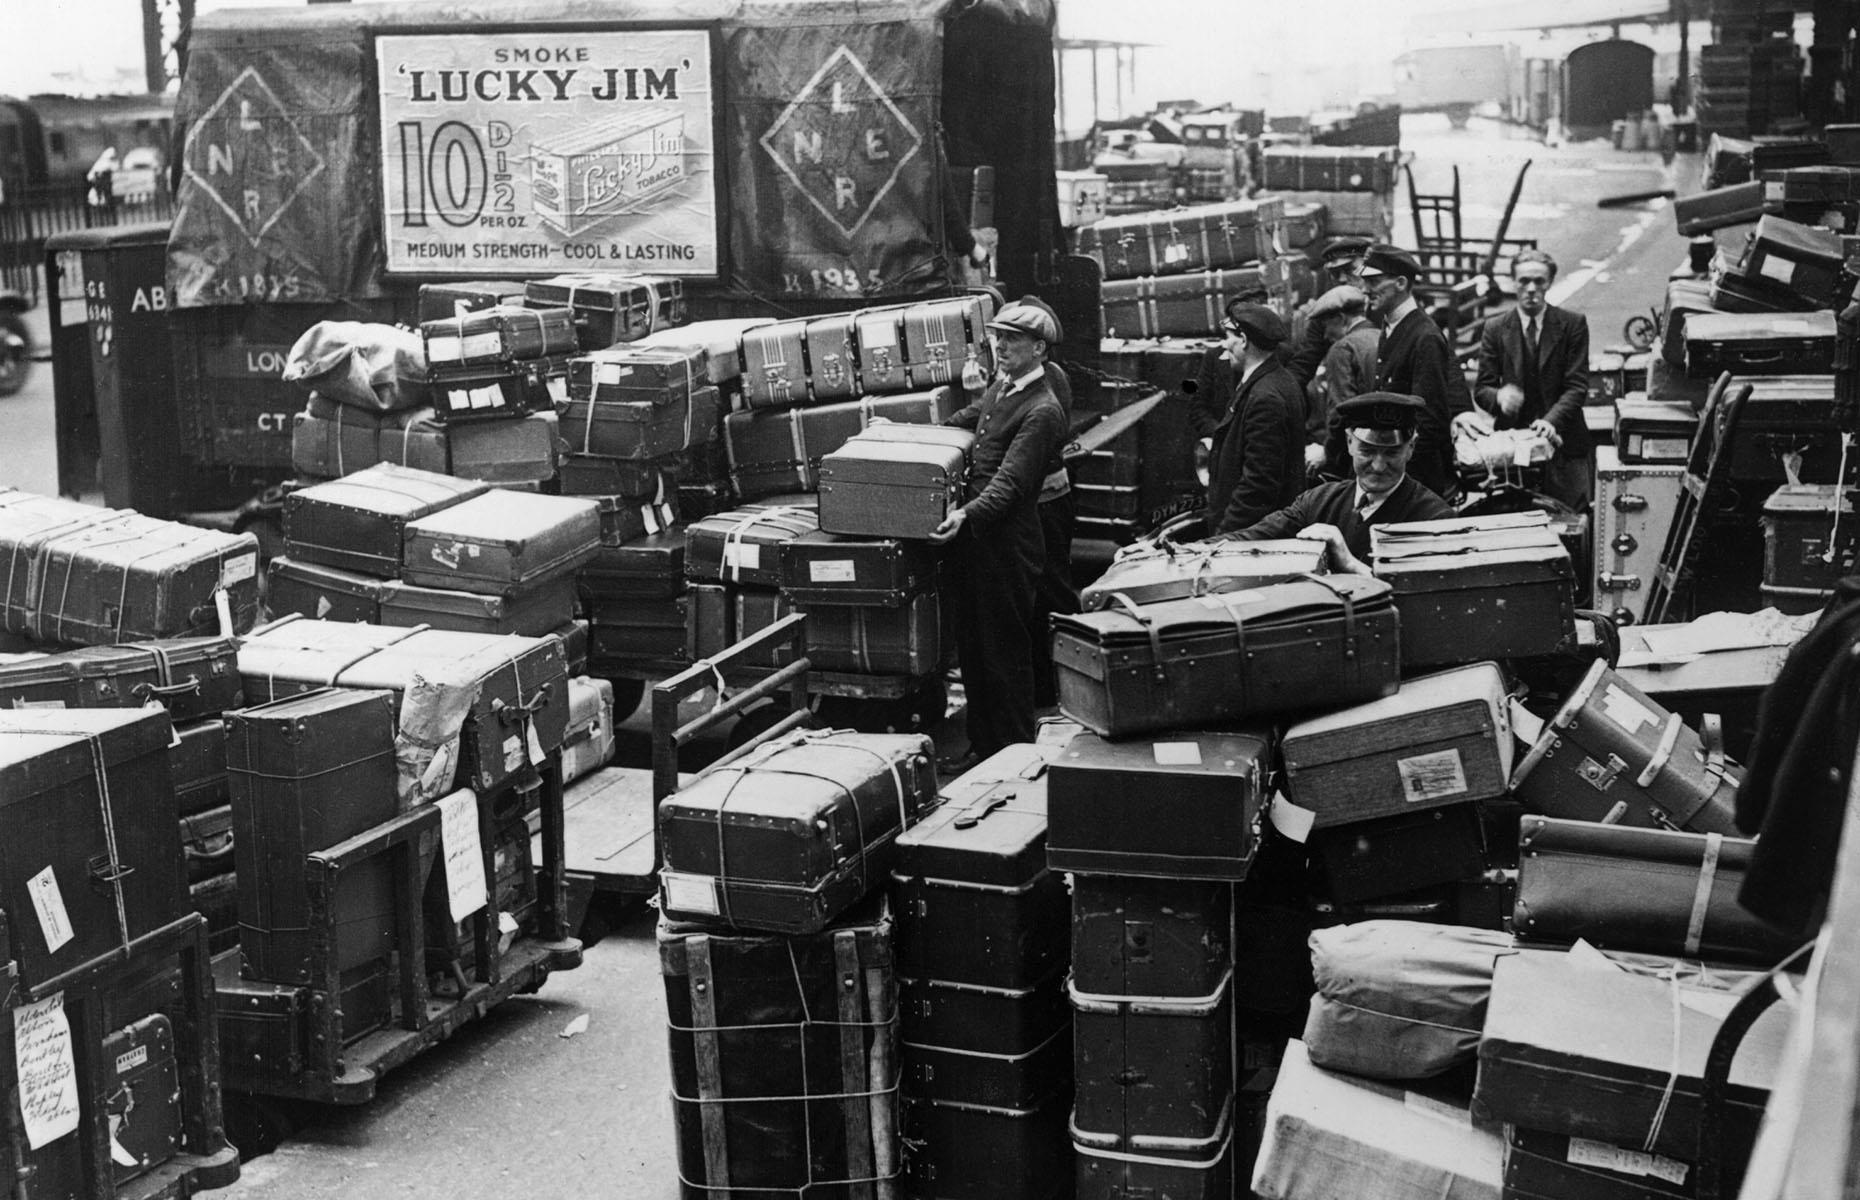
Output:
x=1379 y=432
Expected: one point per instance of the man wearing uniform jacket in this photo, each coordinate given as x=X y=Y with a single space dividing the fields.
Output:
x=998 y=547
x=1349 y=365
x=1379 y=433
x=1256 y=464
x=1343 y=263
x=1054 y=592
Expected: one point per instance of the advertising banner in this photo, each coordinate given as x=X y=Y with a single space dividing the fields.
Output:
x=549 y=151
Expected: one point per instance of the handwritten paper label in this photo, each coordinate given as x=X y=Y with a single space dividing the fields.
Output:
x=49 y=903
x=464 y=853
x=1585 y=1153
x=1434 y=776
x=48 y=1092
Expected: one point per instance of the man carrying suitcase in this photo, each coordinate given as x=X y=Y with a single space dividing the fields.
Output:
x=1379 y=431
x=999 y=550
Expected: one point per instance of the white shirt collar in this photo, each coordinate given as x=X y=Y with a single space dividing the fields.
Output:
x=1025 y=381
x=1401 y=313
x=1356 y=500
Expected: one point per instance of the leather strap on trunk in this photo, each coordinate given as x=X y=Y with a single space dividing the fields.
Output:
x=709 y=1062
x=1349 y=612
x=1135 y=613
x=1701 y=898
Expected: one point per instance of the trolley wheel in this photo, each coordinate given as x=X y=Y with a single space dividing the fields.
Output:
x=627 y=695
x=1640 y=331
x=15 y=353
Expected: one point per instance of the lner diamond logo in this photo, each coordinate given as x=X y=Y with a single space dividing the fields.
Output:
x=842 y=141
x=246 y=153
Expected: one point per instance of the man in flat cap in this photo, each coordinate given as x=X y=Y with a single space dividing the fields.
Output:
x=999 y=551
x=1342 y=262
x=1349 y=365
x=1256 y=464
x=1054 y=591
x=1413 y=359
x=1379 y=432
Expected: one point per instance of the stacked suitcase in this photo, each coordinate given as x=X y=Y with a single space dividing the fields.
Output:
x=495 y=376
x=1147 y=474
x=1355 y=184
x=1172 y=273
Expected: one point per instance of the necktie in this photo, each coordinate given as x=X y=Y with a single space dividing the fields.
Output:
x=1530 y=339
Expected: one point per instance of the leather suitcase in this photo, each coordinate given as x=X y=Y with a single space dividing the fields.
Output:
x=1180 y=305
x=1320 y=642
x=197 y=765
x=1759 y=344
x=1183 y=240
x=1822 y=184
x=627 y=519
x=784 y=1057
x=977 y=903
x=820 y=568
x=743 y=546
x=307 y=772
x=497 y=543
x=832 y=357
x=1330 y=1135
x=1799 y=259
x=638 y=430
x=647 y=568
x=721 y=340
x=608 y=309
x=1329 y=168
x=517 y=451
x=879 y=335
x=495 y=393
x=486 y=337
x=1441 y=739
x=1473 y=589
x=1809 y=537
x=1610 y=747
x=93 y=859
x=207 y=843
x=1181 y=807
x=1151 y=937
x=869 y=640
x=645 y=482
x=946 y=342
x=455 y=298
x=1174 y=572
x=1114 y=1168
x=326 y=593
x=1390 y=856
x=533 y=610
x=1555 y=1166
x=626 y=632
x=1787 y=429
x=1654 y=431
x=1685 y=299
x=1152 y=1067
x=1737 y=204
x=358 y=522
x=775 y=365
x=977 y=1152
x=632 y=374
x=190 y=677
x=1617 y=1056
x=813 y=833
x=132 y=579
x=890 y=486
x=1652 y=891
x=774 y=452
x=1004 y=1048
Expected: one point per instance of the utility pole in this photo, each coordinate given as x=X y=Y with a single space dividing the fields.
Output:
x=164 y=36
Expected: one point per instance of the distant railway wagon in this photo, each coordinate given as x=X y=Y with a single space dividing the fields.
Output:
x=51 y=139
x=1456 y=80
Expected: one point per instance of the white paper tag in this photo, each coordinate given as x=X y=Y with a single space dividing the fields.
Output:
x=832 y=570
x=485 y=397
x=1440 y=1110
x=238 y=569
x=609 y=374
x=1661 y=448
x=322 y=607
x=1175 y=252
x=1779 y=269
x=1626 y=711
x=1432 y=776
x=878 y=335
x=464 y=853
x=742 y=556
x=481 y=345
x=690 y=893
x=133 y=1059
x=49 y=903
x=444 y=349
x=1526 y=726
x=1177 y=754
x=38 y=703
x=1292 y=821
x=222 y=610
x=650 y=519
x=513 y=753
x=1585 y=1153
x=532 y=742
x=47 y=1070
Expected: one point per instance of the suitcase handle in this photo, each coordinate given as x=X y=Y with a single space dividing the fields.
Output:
x=103 y=870
x=147 y=691
x=975 y=816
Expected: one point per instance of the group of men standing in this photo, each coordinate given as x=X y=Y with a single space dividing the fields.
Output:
x=1367 y=398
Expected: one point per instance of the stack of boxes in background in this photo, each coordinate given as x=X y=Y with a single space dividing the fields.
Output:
x=1750 y=76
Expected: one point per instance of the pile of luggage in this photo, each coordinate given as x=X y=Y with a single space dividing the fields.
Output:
x=1355 y=184
x=1171 y=273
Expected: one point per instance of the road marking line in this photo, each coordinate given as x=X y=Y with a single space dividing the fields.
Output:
x=1596 y=272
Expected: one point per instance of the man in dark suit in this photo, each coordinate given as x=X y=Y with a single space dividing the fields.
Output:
x=1379 y=434
x=1534 y=374
x=1413 y=359
x=1257 y=461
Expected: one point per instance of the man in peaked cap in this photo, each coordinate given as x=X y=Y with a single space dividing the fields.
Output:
x=1379 y=429
x=998 y=549
x=1342 y=260
x=1256 y=463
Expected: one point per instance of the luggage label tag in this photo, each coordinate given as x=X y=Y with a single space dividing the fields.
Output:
x=690 y=893
x=463 y=852
x=46 y=1069
x=48 y=903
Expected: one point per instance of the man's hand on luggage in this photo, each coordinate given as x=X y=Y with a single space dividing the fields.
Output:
x=1342 y=562
x=951 y=525
x=1547 y=431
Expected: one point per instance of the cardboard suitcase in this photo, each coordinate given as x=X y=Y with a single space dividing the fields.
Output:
x=1627 y=1068
x=634 y=373
x=775 y=365
x=946 y=342
x=1319 y=642
x=1555 y=1166
x=190 y=677
x=641 y=429
x=1653 y=431
x=1190 y=305
x=1473 y=589
x=607 y=309
x=1174 y=572
x=647 y=568
x=1154 y=1067
x=823 y=569
x=1612 y=753
x=1759 y=344
x=496 y=543
x=93 y=860
x=721 y=340
x=1717 y=208
x=1392 y=856
x=456 y=297
x=307 y=772
x=1181 y=807
x=901 y=484
x=533 y=610
x=784 y=1055
x=1332 y=1135
x=742 y=546
x=977 y=903
x=1652 y=891
x=326 y=593
x=981 y=1152
x=832 y=357
x=1809 y=539
x=488 y=336
x=788 y=858
x=358 y=522
x=1441 y=739
x=1000 y=1047
x=774 y=452
x=1329 y=168
x=518 y=451
x=197 y=765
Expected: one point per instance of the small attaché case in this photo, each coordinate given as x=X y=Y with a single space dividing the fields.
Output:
x=496 y=543
x=1759 y=344
x=1653 y=431
x=142 y=1096
x=357 y=522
